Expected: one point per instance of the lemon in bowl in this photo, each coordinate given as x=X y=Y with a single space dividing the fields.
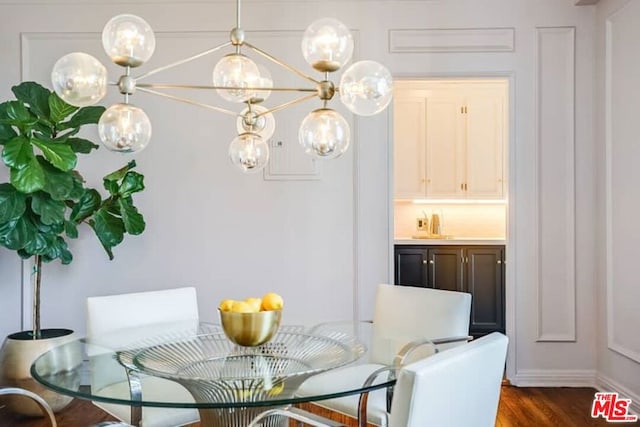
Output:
x=248 y=323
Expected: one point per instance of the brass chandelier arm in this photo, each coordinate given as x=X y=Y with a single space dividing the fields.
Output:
x=281 y=63
x=183 y=61
x=187 y=101
x=287 y=104
x=179 y=86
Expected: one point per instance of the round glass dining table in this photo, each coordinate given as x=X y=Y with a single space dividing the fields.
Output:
x=228 y=384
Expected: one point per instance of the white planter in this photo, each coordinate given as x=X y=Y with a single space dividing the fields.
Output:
x=18 y=353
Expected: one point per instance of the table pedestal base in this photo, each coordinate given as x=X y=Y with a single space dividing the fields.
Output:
x=238 y=417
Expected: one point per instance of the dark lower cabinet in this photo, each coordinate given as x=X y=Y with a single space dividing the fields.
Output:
x=478 y=270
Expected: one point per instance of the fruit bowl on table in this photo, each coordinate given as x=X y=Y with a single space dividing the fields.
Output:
x=250 y=329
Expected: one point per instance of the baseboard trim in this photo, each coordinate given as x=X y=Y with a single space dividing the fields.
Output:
x=605 y=383
x=554 y=378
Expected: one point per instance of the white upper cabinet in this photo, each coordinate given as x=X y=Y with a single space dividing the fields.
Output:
x=409 y=147
x=449 y=140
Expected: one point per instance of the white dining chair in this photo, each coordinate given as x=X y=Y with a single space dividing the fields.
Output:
x=459 y=387
x=416 y=321
x=110 y=320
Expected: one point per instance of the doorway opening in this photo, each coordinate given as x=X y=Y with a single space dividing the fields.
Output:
x=450 y=190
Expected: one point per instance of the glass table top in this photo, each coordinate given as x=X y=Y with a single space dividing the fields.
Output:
x=199 y=357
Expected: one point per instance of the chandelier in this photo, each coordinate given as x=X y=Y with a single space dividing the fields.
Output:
x=365 y=88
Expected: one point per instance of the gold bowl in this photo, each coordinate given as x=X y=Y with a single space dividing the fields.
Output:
x=250 y=329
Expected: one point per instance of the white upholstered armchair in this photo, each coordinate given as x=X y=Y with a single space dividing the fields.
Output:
x=108 y=318
x=456 y=388
x=408 y=323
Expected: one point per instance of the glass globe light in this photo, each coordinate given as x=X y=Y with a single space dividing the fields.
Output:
x=324 y=134
x=249 y=152
x=366 y=88
x=327 y=44
x=79 y=79
x=124 y=128
x=128 y=40
x=249 y=121
x=238 y=71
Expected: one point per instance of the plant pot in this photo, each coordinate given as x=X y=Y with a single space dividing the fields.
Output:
x=18 y=353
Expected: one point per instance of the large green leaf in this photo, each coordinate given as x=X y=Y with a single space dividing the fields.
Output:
x=133 y=182
x=88 y=204
x=78 y=186
x=30 y=178
x=50 y=211
x=57 y=249
x=15 y=234
x=58 y=154
x=60 y=110
x=55 y=228
x=12 y=203
x=65 y=255
x=38 y=245
x=36 y=96
x=84 y=116
x=80 y=145
x=109 y=229
x=17 y=153
x=71 y=229
x=15 y=113
x=117 y=175
x=110 y=181
x=132 y=219
x=60 y=185
x=6 y=133
x=43 y=127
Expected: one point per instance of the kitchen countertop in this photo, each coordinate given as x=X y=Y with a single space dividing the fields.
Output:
x=451 y=241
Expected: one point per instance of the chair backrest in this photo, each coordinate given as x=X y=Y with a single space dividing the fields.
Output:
x=108 y=318
x=109 y=313
x=403 y=314
x=459 y=387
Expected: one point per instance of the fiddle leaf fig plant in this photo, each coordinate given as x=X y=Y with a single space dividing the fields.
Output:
x=46 y=200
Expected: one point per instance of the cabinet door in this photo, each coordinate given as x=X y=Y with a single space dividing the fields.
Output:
x=410 y=266
x=485 y=139
x=485 y=282
x=408 y=147
x=445 y=268
x=444 y=139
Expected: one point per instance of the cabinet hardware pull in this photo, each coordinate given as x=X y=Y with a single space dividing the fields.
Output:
x=431 y=261
x=424 y=261
x=462 y=110
x=462 y=187
x=499 y=261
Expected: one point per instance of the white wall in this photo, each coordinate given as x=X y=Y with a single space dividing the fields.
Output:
x=618 y=94
x=324 y=243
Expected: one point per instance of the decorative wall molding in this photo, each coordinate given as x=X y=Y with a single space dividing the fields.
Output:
x=619 y=143
x=452 y=40
x=554 y=378
x=605 y=383
x=555 y=170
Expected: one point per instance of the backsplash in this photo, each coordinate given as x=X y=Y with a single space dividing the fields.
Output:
x=457 y=220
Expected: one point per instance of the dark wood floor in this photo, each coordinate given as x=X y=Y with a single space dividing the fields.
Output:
x=536 y=407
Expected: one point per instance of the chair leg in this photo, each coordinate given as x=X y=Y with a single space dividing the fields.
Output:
x=39 y=401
